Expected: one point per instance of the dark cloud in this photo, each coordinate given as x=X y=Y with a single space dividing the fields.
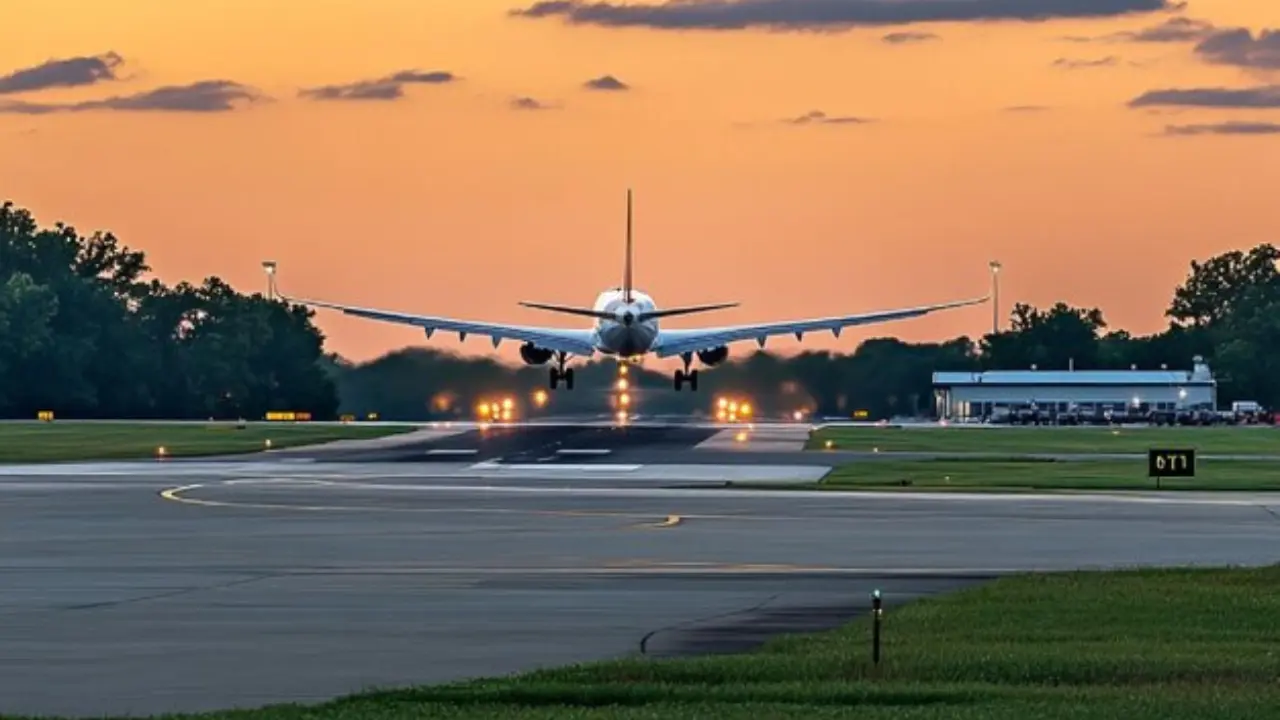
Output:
x=1265 y=96
x=68 y=72
x=387 y=88
x=823 y=14
x=900 y=38
x=817 y=117
x=1238 y=46
x=1178 y=29
x=528 y=103
x=1073 y=64
x=606 y=82
x=205 y=96
x=1226 y=128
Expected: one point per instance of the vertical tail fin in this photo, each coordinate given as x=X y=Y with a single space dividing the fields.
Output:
x=626 y=273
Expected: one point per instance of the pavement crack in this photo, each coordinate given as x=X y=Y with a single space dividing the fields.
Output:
x=167 y=595
x=644 y=641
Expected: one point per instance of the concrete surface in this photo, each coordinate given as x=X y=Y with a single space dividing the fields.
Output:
x=179 y=586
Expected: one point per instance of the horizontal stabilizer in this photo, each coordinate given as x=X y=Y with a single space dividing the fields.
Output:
x=569 y=310
x=689 y=310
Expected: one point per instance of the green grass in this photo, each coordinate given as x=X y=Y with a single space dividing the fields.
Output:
x=959 y=474
x=68 y=440
x=1206 y=440
x=1133 y=645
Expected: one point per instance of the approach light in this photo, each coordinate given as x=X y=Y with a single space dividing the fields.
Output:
x=623 y=384
x=741 y=436
x=624 y=399
x=622 y=416
x=506 y=415
x=540 y=398
x=495 y=409
x=721 y=415
x=482 y=410
x=723 y=403
x=745 y=409
x=622 y=369
x=797 y=416
x=508 y=403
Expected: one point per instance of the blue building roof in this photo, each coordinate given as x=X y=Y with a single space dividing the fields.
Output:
x=1128 y=378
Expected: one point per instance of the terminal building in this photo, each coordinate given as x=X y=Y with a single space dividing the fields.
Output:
x=979 y=396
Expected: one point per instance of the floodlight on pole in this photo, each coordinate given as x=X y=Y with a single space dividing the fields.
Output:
x=995 y=296
x=269 y=267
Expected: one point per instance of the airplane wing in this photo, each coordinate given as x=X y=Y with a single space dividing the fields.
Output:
x=676 y=342
x=576 y=342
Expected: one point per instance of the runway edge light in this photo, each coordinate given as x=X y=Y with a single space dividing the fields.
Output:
x=877 y=612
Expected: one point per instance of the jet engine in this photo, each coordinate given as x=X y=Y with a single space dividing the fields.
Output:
x=533 y=355
x=714 y=356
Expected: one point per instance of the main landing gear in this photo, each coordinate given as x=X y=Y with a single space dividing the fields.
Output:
x=559 y=372
x=687 y=375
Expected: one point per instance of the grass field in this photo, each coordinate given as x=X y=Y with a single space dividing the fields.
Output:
x=1206 y=440
x=69 y=440
x=1022 y=474
x=1136 y=645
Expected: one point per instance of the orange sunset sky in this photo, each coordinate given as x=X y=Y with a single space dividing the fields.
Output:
x=445 y=198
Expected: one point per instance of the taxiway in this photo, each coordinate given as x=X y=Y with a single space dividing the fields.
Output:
x=303 y=575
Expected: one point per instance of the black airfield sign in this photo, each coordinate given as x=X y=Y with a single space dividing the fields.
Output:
x=1171 y=463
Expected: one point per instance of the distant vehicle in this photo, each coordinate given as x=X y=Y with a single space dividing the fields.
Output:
x=626 y=326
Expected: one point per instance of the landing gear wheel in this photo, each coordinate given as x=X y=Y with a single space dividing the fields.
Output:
x=559 y=373
x=690 y=377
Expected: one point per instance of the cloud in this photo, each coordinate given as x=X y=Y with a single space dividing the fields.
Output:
x=1238 y=46
x=823 y=14
x=205 y=96
x=1226 y=128
x=386 y=88
x=1265 y=96
x=68 y=72
x=606 y=82
x=817 y=117
x=1026 y=108
x=1178 y=29
x=528 y=103
x=1072 y=64
x=901 y=38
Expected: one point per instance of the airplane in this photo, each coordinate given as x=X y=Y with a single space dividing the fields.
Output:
x=626 y=327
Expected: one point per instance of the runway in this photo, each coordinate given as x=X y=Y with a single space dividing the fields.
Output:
x=185 y=586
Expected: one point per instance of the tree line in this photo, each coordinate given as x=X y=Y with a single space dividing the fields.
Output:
x=85 y=333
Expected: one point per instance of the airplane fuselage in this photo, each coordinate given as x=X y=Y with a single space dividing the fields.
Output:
x=625 y=336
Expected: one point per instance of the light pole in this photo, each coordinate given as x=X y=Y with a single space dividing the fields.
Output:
x=995 y=296
x=269 y=267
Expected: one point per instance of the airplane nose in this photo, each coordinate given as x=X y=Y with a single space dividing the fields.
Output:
x=628 y=318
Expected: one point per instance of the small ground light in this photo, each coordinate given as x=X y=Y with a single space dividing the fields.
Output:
x=829 y=444
x=161 y=451
x=741 y=436
x=267 y=442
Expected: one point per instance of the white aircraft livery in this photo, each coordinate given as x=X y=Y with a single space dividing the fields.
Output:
x=626 y=326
